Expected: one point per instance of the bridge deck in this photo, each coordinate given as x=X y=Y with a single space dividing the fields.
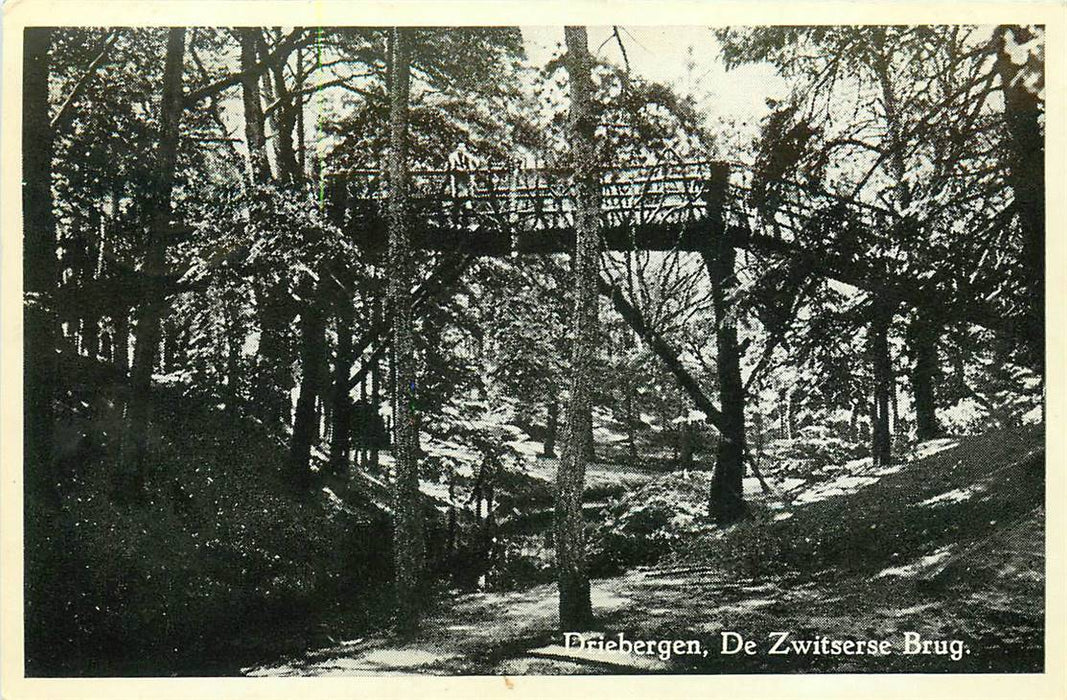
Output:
x=672 y=205
x=664 y=206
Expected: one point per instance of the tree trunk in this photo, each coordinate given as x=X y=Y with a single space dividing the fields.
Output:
x=274 y=310
x=902 y=196
x=407 y=538
x=1026 y=161
x=121 y=354
x=71 y=276
x=166 y=342
x=790 y=416
x=881 y=440
x=90 y=342
x=325 y=433
x=233 y=367
x=274 y=378
x=923 y=338
x=575 y=610
x=39 y=269
x=301 y=137
x=312 y=358
x=727 y=498
x=685 y=444
x=727 y=502
x=253 y=107
x=895 y=425
x=759 y=437
x=288 y=168
x=376 y=405
x=782 y=432
x=551 y=428
x=152 y=306
x=365 y=424
x=590 y=445
x=340 y=440
x=91 y=336
x=631 y=425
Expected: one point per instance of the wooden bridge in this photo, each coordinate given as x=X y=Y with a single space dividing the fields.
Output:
x=669 y=205
x=662 y=206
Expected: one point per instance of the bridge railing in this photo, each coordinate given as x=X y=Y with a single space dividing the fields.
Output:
x=529 y=199
x=521 y=201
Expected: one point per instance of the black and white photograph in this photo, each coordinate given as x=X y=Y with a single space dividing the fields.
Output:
x=591 y=349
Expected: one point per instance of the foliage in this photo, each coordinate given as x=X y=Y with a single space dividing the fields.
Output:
x=643 y=526
x=218 y=547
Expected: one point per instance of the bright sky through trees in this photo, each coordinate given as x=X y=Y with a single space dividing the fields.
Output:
x=686 y=58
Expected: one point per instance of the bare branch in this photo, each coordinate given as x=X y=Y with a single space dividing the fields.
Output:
x=280 y=53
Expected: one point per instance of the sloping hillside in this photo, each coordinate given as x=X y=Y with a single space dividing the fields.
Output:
x=946 y=549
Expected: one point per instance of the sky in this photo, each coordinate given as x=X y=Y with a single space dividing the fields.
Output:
x=685 y=57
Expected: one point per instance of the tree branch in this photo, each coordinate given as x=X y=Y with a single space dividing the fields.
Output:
x=446 y=274
x=663 y=350
x=280 y=52
x=65 y=113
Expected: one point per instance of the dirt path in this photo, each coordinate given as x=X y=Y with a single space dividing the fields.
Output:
x=514 y=633
x=481 y=633
x=970 y=569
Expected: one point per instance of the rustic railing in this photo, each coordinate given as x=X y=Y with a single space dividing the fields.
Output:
x=518 y=202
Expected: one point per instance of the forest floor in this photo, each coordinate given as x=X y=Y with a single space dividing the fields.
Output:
x=947 y=546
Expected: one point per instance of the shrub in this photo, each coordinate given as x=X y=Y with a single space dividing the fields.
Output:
x=218 y=551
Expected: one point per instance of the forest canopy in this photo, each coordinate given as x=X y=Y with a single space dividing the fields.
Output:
x=325 y=319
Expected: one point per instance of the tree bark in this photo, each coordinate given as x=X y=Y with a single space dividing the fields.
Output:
x=90 y=322
x=233 y=366
x=408 y=546
x=727 y=500
x=1022 y=112
x=551 y=428
x=881 y=435
x=288 y=168
x=920 y=343
x=312 y=359
x=590 y=445
x=274 y=377
x=122 y=342
x=341 y=437
x=896 y=427
x=631 y=424
x=375 y=398
x=301 y=138
x=253 y=108
x=273 y=306
x=759 y=436
x=923 y=338
x=685 y=444
x=39 y=269
x=790 y=416
x=131 y=474
x=575 y=610
x=71 y=275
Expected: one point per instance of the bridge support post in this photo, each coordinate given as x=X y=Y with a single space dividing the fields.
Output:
x=726 y=502
x=715 y=188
